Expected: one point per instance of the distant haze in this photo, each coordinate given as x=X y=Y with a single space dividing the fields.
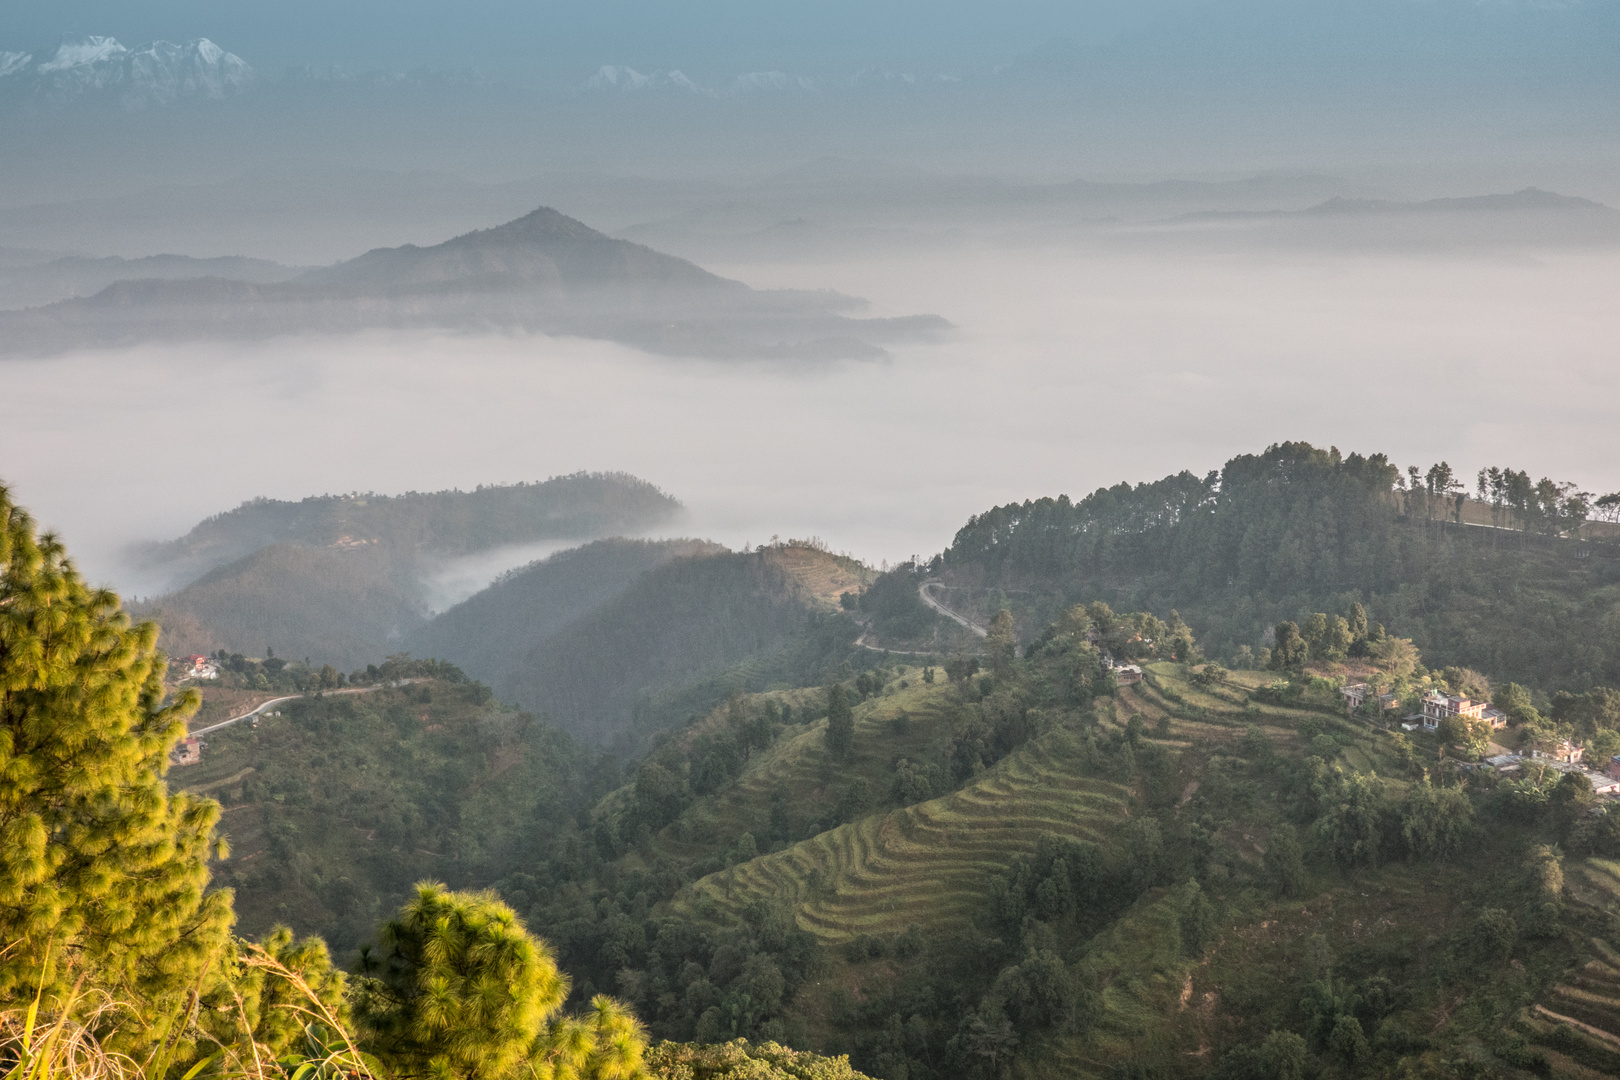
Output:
x=1071 y=369
x=1162 y=233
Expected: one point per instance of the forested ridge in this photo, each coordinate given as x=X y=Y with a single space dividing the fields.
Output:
x=1077 y=846
x=344 y=579
x=1296 y=529
x=444 y=522
x=120 y=958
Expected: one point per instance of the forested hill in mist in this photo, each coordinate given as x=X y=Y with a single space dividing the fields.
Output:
x=544 y=272
x=441 y=522
x=1514 y=580
x=619 y=640
x=344 y=578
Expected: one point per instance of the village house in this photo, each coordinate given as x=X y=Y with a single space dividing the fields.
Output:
x=189 y=752
x=201 y=668
x=1356 y=695
x=1562 y=751
x=1602 y=784
x=1127 y=674
x=1438 y=707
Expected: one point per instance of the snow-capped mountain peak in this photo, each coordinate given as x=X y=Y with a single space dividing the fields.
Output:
x=627 y=80
x=155 y=74
x=85 y=52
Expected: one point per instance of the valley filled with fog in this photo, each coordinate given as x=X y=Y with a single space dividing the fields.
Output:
x=1077 y=359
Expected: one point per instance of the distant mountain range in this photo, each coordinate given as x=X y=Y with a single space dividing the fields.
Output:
x=44 y=282
x=1527 y=199
x=543 y=272
x=156 y=74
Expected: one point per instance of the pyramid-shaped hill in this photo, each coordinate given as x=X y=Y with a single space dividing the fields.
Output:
x=542 y=273
x=544 y=249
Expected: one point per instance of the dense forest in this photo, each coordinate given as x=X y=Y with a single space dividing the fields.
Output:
x=699 y=802
x=1522 y=593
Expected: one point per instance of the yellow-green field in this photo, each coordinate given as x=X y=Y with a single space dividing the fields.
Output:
x=926 y=864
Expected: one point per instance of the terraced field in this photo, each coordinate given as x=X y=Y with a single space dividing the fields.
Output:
x=1578 y=1023
x=795 y=766
x=928 y=863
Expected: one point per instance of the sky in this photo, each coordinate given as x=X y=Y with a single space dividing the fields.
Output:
x=1075 y=363
x=513 y=37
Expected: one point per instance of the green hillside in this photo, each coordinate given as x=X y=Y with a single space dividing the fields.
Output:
x=1028 y=868
x=343 y=607
x=489 y=634
x=1296 y=529
x=928 y=864
x=336 y=806
x=683 y=636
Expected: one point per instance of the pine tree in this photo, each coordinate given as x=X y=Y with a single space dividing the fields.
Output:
x=102 y=872
x=840 y=724
x=463 y=991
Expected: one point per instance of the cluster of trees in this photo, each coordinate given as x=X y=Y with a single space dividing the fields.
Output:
x=893 y=607
x=1304 y=529
x=273 y=672
x=669 y=780
x=687 y=973
x=339 y=804
x=113 y=933
x=1325 y=639
x=1544 y=506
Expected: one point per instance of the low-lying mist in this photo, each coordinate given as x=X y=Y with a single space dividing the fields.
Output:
x=1068 y=370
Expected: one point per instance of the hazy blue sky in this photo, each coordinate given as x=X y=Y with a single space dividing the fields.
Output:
x=508 y=34
x=1549 y=40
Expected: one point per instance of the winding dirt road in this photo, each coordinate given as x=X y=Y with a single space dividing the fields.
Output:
x=961 y=620
x=290 y=697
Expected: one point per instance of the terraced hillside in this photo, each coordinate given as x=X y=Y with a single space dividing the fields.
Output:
x=1578 y=1023
x=929 y=863
x=906 y=721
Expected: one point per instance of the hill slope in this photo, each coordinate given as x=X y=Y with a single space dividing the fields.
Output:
x=1279 y=535
x=1112 y=886
x=339 y=607
x=683 y=636
x=489 y=634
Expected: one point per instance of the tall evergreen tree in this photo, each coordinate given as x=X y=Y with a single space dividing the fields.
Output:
x=102 y=871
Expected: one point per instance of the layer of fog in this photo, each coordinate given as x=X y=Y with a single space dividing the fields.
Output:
x=1070 y=370
x=446 y=582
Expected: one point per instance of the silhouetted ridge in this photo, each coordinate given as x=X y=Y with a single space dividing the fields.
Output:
x=542 y=248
